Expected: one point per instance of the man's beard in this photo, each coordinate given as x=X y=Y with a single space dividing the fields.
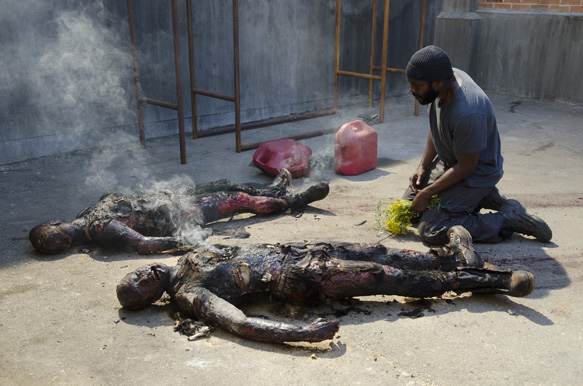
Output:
x=429 y=96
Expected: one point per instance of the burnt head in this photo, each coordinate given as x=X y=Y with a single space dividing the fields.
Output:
x=139 y=289
x=51 y=237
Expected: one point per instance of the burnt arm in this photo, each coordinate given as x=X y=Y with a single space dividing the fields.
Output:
x=218 y=312
x=117 y=233
x=207 y=286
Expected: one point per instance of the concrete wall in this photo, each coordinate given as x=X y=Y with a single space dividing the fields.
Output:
x=66 y=78
x=535 y=55
x=524 y=53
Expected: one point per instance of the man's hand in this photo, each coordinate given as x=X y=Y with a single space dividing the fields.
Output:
x=421 y=201
x=462 y=169
x=416 y=178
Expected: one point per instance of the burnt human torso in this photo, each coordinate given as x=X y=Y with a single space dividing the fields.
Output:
x=151 y=214
x=161 y=213
x=226 y=273
x=300 y=274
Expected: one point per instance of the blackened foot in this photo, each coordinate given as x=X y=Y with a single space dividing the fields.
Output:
x=495 y=281
x=314 y=193
x=521 y=284
x=283 y=184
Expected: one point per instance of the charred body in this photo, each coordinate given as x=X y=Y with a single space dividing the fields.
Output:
x=151 y=223
x=210 y=284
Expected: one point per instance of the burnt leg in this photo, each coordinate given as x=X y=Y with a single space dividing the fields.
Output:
x=377 y=253
x=350 y=278
x=314 y=193
x=281 y=186
x=346 y=279
x=222 y=185
x=459 y=252
x=222 y=205
x=497 y=281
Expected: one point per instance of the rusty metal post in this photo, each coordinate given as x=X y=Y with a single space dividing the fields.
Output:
x=372 y=43
x=177 y=69
x=236 y=69
x=337 y=51
x=371 y=75
x=191 y=67
x=420 y=46
x=137 y=82
x=384 y=64
x=140 y=99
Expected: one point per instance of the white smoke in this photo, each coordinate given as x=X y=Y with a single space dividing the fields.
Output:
x=84 y=79
x=81 y=76
x=85 y=65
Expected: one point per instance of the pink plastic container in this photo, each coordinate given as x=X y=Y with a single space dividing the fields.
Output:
x=271 y=157
x=355 y=148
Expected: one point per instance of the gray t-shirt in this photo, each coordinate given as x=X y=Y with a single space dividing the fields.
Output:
x=467 y=125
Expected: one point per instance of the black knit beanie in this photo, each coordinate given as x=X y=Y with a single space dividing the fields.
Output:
x=429 y=64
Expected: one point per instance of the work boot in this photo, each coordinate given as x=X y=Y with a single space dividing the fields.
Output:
x=459 y=252
x=283 y=183
x=516 y=219
x=461 y=240
x=493 y=200
x=314 y=193
x=495 y=281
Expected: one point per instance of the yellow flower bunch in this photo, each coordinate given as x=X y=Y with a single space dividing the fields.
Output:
x=396 y=216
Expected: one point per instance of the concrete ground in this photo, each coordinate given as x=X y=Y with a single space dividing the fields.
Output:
x=60 y=321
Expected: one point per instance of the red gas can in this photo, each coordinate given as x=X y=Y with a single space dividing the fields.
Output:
x=355 y=148
x=271 y=157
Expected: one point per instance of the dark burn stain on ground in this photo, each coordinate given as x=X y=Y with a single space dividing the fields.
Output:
x=416 y=308
x=413 y=314
x=408 y=307
x=349 y=310
x=545 y=146
x=514 y=105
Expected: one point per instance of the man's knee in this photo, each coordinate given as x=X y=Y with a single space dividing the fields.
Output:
x=429 y=236
x=432 y=228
